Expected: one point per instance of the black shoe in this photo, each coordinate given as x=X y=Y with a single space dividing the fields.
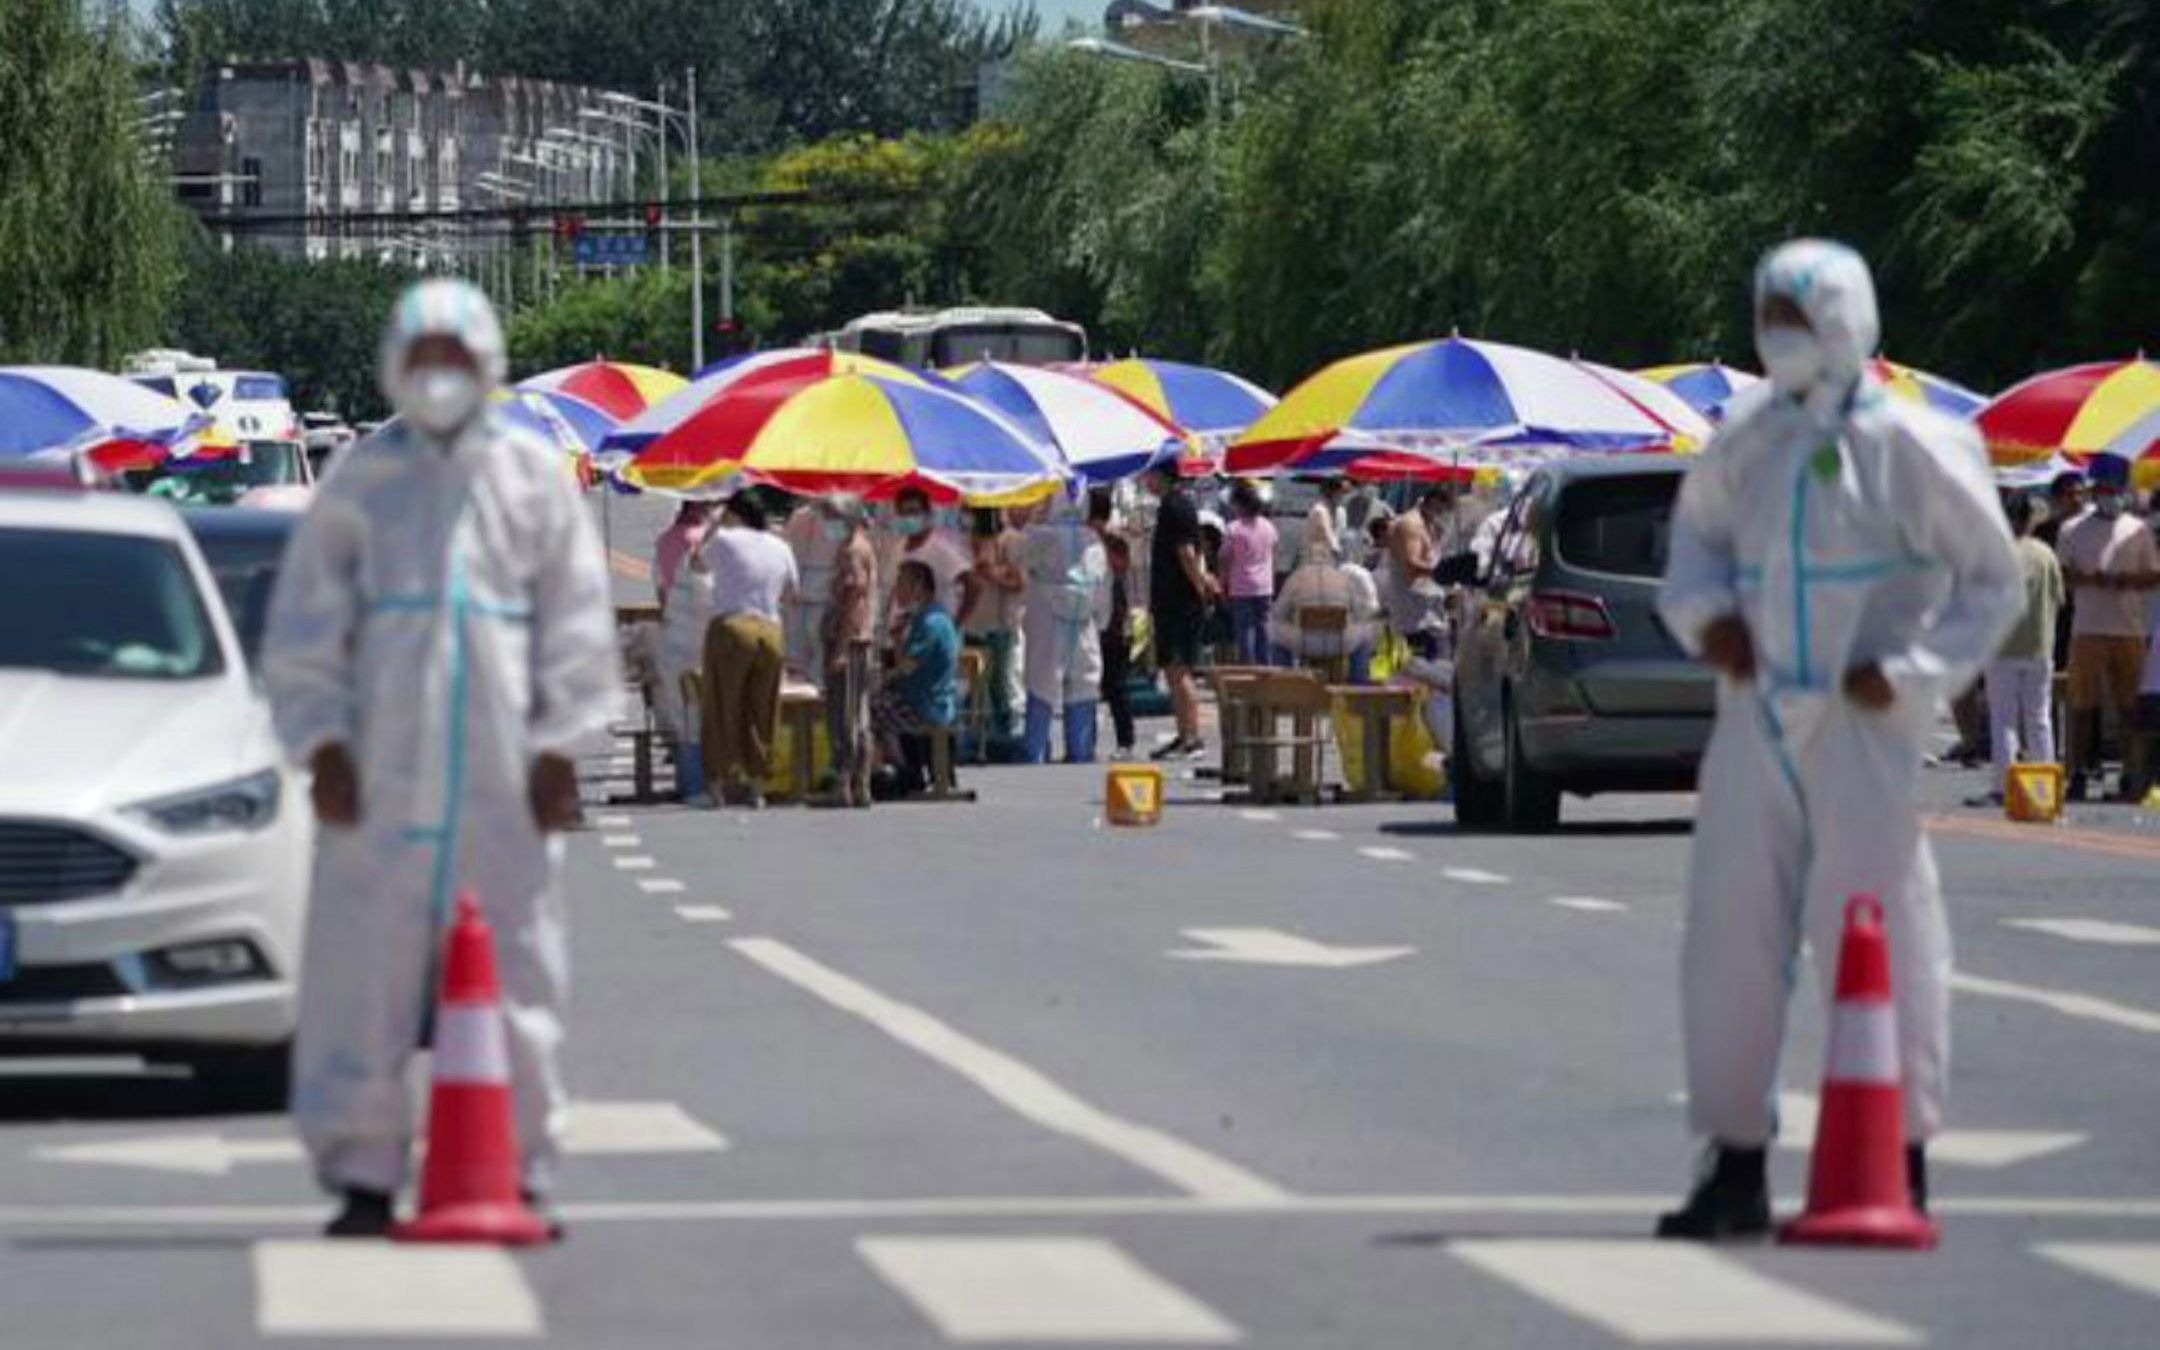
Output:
x=1732 y=1200
x=539 y=1205
x=2077 y=791
x=1172 y=750
x=367 y=1214
x=1916 y=1175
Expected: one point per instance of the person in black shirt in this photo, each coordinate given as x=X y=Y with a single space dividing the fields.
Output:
x=1179 y=593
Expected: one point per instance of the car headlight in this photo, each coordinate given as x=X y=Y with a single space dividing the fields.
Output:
x=248 y=803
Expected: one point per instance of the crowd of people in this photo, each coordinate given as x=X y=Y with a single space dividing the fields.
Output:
x=876 y=618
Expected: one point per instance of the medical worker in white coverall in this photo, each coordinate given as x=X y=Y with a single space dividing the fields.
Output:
x=1067 y=573
x=1840 y=558
x=440 y=640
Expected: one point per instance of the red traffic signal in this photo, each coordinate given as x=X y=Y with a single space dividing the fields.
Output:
x=652 y=215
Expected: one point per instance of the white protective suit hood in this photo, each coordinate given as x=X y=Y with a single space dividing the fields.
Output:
x=1831 y=284
x=439 y=405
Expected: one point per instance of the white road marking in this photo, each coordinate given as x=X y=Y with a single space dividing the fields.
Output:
x=618 y=787
x=979 y=1290
x=1317 y=836
x=1472 y=876
x=1388 y=854
x=660 y=886
x=2132 y=1265
x=1649 y=1293
x=2016 y=1208
x=2091 y=930
x=1589 y=904
x=1273 y=947
x=2067 y=1002
x=1024 y=1090
x=611 y=822
x=612 y=1129
x=205 y=1155
x=1799 y=1112
x=375 y=1289
x=702 y=914
x=1260 y=817
x=622 y=761
x=619 y=841
x=634 y=863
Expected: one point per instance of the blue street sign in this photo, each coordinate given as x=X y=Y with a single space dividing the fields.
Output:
x=610 y=250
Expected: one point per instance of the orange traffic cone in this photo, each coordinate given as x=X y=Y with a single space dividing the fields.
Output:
x=1858 y=1193
x=469 y=1187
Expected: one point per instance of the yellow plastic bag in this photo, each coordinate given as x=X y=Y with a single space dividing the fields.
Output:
x=780 y=781
x=1413 y=768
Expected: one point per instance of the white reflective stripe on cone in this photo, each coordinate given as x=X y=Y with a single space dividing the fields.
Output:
x=471 y=1047
x=1863 y=1044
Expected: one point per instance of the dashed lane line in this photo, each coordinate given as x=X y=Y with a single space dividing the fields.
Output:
x=2068 y=1002
x=620 y=841
x=702 y=914
x=660 y=886
x=634 y=862
x=1021 y=1088
x=1317 y=836
x=611 y=821
x=1589 y=904
x=1392 y=855
x=1473 y=876
x=1260 y=817
x=2099 y=931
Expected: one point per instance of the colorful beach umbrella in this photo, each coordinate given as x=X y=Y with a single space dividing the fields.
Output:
x=2106 y=407
x=824 y=421
x=1211 y=406
x=619 y=389
x=1101 y=434
x=1706 y=385
x=1456 y=400
x=1690 y=429
x=1918 y=386
x=117 y=423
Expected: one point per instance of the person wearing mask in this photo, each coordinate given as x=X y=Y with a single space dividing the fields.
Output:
x=2066 y=502
x=803 y=622
x=1068 y=602
x=754 y=577
x=2112 y=565
x=1324 y=523
x=1179 y=593
x=923 y=690
x=1117 y=646
x=1416 y=604
x=916 y=537
x=440 y=642
x=685 y=614
x=1792 y=573
x=1249 y=573
x=847 y=643
x=1321 y=583
x=994 y=626
x=2021 y=678
x=676 y=543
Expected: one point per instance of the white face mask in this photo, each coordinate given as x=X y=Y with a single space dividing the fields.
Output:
x=440 y=400
x=1791 y=357
x=2107 y=505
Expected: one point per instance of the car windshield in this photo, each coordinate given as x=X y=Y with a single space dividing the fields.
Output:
x=103 y=605
x=1620 y=525
x=245 y=564
x=259 y=464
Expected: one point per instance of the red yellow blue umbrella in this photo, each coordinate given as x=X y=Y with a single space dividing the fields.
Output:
x=2104 y=408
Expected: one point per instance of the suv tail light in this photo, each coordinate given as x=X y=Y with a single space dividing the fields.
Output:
x=1570 y=617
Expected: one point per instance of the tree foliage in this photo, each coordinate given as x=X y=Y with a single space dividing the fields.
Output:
x=86 y=224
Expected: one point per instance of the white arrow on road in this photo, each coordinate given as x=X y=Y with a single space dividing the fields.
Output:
x=1273 y=947
x=207 y=1155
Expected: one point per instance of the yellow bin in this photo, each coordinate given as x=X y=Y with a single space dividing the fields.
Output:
x=2034 y=793
x=1134 y=793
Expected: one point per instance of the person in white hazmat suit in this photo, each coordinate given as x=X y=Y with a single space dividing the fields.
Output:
x=1068 y=599
x=1840 y=558
x=440 y=639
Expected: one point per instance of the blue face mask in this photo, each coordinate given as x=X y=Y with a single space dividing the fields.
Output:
x=911 y=526
x=838 y=531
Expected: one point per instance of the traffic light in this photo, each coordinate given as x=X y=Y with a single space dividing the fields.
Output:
x=652 y=215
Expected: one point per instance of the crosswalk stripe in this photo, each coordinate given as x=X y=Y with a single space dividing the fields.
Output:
x=978 y=1290
x=372 y=1289
x=1653 y=1294
x=612 y=1129
x=2091 y=930
x=2132 y=1265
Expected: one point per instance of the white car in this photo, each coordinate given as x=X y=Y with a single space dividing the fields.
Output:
x=154 y=846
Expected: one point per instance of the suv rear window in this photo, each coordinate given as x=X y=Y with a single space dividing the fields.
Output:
x=1619 y=525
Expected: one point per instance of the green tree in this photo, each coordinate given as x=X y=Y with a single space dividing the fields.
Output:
x=642 y=317
x=87 y=226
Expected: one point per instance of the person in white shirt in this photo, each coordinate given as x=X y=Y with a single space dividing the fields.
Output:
x=1324 y=523
x=753 y=576
x=1321 y=582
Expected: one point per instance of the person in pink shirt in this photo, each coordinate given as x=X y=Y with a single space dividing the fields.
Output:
x=1248 y=564
x=675 y=544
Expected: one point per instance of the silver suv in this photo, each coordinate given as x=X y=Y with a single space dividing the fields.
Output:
x=1566 y=679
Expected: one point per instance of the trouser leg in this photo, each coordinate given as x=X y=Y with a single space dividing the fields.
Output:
x=2005 y=689
x=713 y=715
x=1117 y=669
x=1742 y=933
x=2037 y=705
x=1079 y=731
x=1861 y=776
x=1038 y=730
x=764 y=665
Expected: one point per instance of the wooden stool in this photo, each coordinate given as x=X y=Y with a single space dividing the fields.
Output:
x=1377 y=707
x=1304 y=700
x=944 y=782
x=1231 y=716
x=1324 y=641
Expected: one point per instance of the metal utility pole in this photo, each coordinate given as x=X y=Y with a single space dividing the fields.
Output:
x=697 y=238
x=666 y=191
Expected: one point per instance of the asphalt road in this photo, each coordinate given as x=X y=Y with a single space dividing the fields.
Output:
x=1004 y=1074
